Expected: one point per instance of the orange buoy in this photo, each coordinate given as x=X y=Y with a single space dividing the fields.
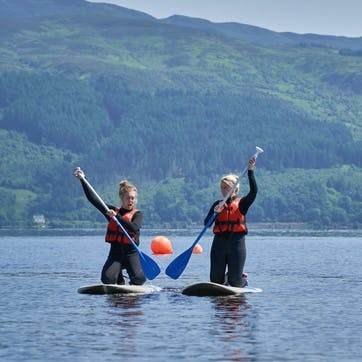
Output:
x=161 y=245
x=197 y=249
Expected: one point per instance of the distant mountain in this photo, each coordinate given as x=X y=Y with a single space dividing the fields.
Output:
x=15 y=9
x=172 y=104
x=257 y=35
x=252 y=34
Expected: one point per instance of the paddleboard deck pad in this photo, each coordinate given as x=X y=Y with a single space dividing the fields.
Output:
x=209 y=289
x=118 y=289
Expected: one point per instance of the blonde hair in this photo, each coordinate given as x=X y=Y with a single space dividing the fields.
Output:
x=126 y=187
x=230 y=180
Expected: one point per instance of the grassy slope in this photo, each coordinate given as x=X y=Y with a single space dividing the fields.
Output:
x=158 y=57
x=169 y=57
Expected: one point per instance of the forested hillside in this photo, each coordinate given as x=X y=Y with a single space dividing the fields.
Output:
x=172 y=107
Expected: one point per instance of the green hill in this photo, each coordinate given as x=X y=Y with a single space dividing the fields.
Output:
x=172 y=107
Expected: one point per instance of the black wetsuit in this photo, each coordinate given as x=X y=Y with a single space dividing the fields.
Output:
x=228 y=248
x=121 y=256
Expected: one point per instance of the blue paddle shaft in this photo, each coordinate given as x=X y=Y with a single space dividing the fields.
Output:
x=149 y=266
x=255 y=155
x=178 y=265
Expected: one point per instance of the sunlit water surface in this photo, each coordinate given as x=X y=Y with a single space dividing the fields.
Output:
x=310 y=308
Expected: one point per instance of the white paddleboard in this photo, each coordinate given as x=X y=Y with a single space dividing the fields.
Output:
x=213 y=289
x=118 y=289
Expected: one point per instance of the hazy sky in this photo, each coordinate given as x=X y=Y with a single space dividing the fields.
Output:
x=328 y=17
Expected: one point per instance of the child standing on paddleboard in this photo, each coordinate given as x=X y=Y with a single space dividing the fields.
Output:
x=122 y=255
x=228 y=248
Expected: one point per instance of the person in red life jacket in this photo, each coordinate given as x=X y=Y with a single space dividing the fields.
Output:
x=122 y=255
x=228 y=248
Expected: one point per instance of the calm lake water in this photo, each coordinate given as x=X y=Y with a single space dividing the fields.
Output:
x=310 y=308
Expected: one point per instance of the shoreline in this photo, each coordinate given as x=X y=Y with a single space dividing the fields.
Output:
x=255 y=229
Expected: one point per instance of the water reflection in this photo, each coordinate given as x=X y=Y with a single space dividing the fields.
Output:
x=232 y=313
x=127 y=303
x=237 y=324
x=125 y=317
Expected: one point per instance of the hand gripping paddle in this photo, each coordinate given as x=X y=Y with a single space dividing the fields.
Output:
x=178 y=265
x=149 y=266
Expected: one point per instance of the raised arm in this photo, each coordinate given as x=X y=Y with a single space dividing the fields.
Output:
x=91 y=197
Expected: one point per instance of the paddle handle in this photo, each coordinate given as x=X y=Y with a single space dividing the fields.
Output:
x=255 y=155
x=178 y=265
x=149 y=266
x=106 y=208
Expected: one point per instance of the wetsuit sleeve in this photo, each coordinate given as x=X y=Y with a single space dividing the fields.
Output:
x=92 y=198
x=250 y=197
x=135 y=224
x=210 y=213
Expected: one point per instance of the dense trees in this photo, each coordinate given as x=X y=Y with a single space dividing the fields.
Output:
x=175 y=146
x=52 y=110
x=172 y=108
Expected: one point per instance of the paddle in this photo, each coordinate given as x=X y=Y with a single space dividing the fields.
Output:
x=178 y=265
x=149 y=266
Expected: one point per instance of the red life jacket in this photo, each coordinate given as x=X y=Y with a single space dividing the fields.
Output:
x=230 y=219
x=114 y=232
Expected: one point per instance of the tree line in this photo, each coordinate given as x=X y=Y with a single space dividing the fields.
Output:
x=174 y=144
